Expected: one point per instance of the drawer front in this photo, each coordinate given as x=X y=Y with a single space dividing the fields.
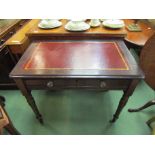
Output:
x=51 y=83
x=105 y=84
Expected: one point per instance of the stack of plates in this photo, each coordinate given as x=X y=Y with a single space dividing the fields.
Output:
x=49 y=23
x=113 y=23
x=77 y=26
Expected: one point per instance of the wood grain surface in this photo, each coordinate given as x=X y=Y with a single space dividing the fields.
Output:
x=61 y=31
x=19 y=42
x=139 y=38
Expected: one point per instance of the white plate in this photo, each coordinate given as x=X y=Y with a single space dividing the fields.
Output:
x=77 y=27
x=50 y=26
x=113 y=23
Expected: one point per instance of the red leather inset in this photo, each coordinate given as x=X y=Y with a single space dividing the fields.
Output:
x=77 y=55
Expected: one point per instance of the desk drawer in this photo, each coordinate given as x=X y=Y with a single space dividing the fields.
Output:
x=51 y=83
x=104 y=84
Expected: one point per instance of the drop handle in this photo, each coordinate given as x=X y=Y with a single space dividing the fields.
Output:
x=50 y=84
x=103 y=84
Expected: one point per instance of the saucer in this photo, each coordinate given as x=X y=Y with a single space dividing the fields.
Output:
x=49 y=24
x=113 y=23
x=77 y=26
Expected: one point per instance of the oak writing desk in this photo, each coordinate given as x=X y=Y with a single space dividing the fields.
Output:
x=85 y=64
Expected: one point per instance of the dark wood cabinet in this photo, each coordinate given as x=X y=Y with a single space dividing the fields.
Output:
x=7 y=29
x=6 y=65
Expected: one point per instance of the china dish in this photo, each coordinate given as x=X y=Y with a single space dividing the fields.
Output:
x=77 y=26
x=113 y=23
x=94 y=22
x=49 y=24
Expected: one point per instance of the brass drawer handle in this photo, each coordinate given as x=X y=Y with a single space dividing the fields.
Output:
x=103 y=84
x=50 y=84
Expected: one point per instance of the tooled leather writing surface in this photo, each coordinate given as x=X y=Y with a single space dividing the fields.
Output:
x=77 y=55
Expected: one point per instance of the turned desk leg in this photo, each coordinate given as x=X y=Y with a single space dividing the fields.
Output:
x=127 y=93
x=27 y=93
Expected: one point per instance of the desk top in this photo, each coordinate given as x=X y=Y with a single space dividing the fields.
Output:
x=77 y=59
x=76 y=55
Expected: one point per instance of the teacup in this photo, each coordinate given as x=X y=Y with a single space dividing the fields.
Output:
x=94 y=22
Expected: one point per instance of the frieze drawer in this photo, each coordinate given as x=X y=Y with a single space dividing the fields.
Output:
x=77 y=83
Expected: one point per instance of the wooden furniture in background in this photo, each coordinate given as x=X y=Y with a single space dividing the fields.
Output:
x=82 y=64
x=147 y=63
x=8 y=27
x=6 y=65
x=139 y=38
x=5 y=121
x=98 y=32
x=19 y=42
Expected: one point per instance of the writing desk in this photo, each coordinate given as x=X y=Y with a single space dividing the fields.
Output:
x=67 y=64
